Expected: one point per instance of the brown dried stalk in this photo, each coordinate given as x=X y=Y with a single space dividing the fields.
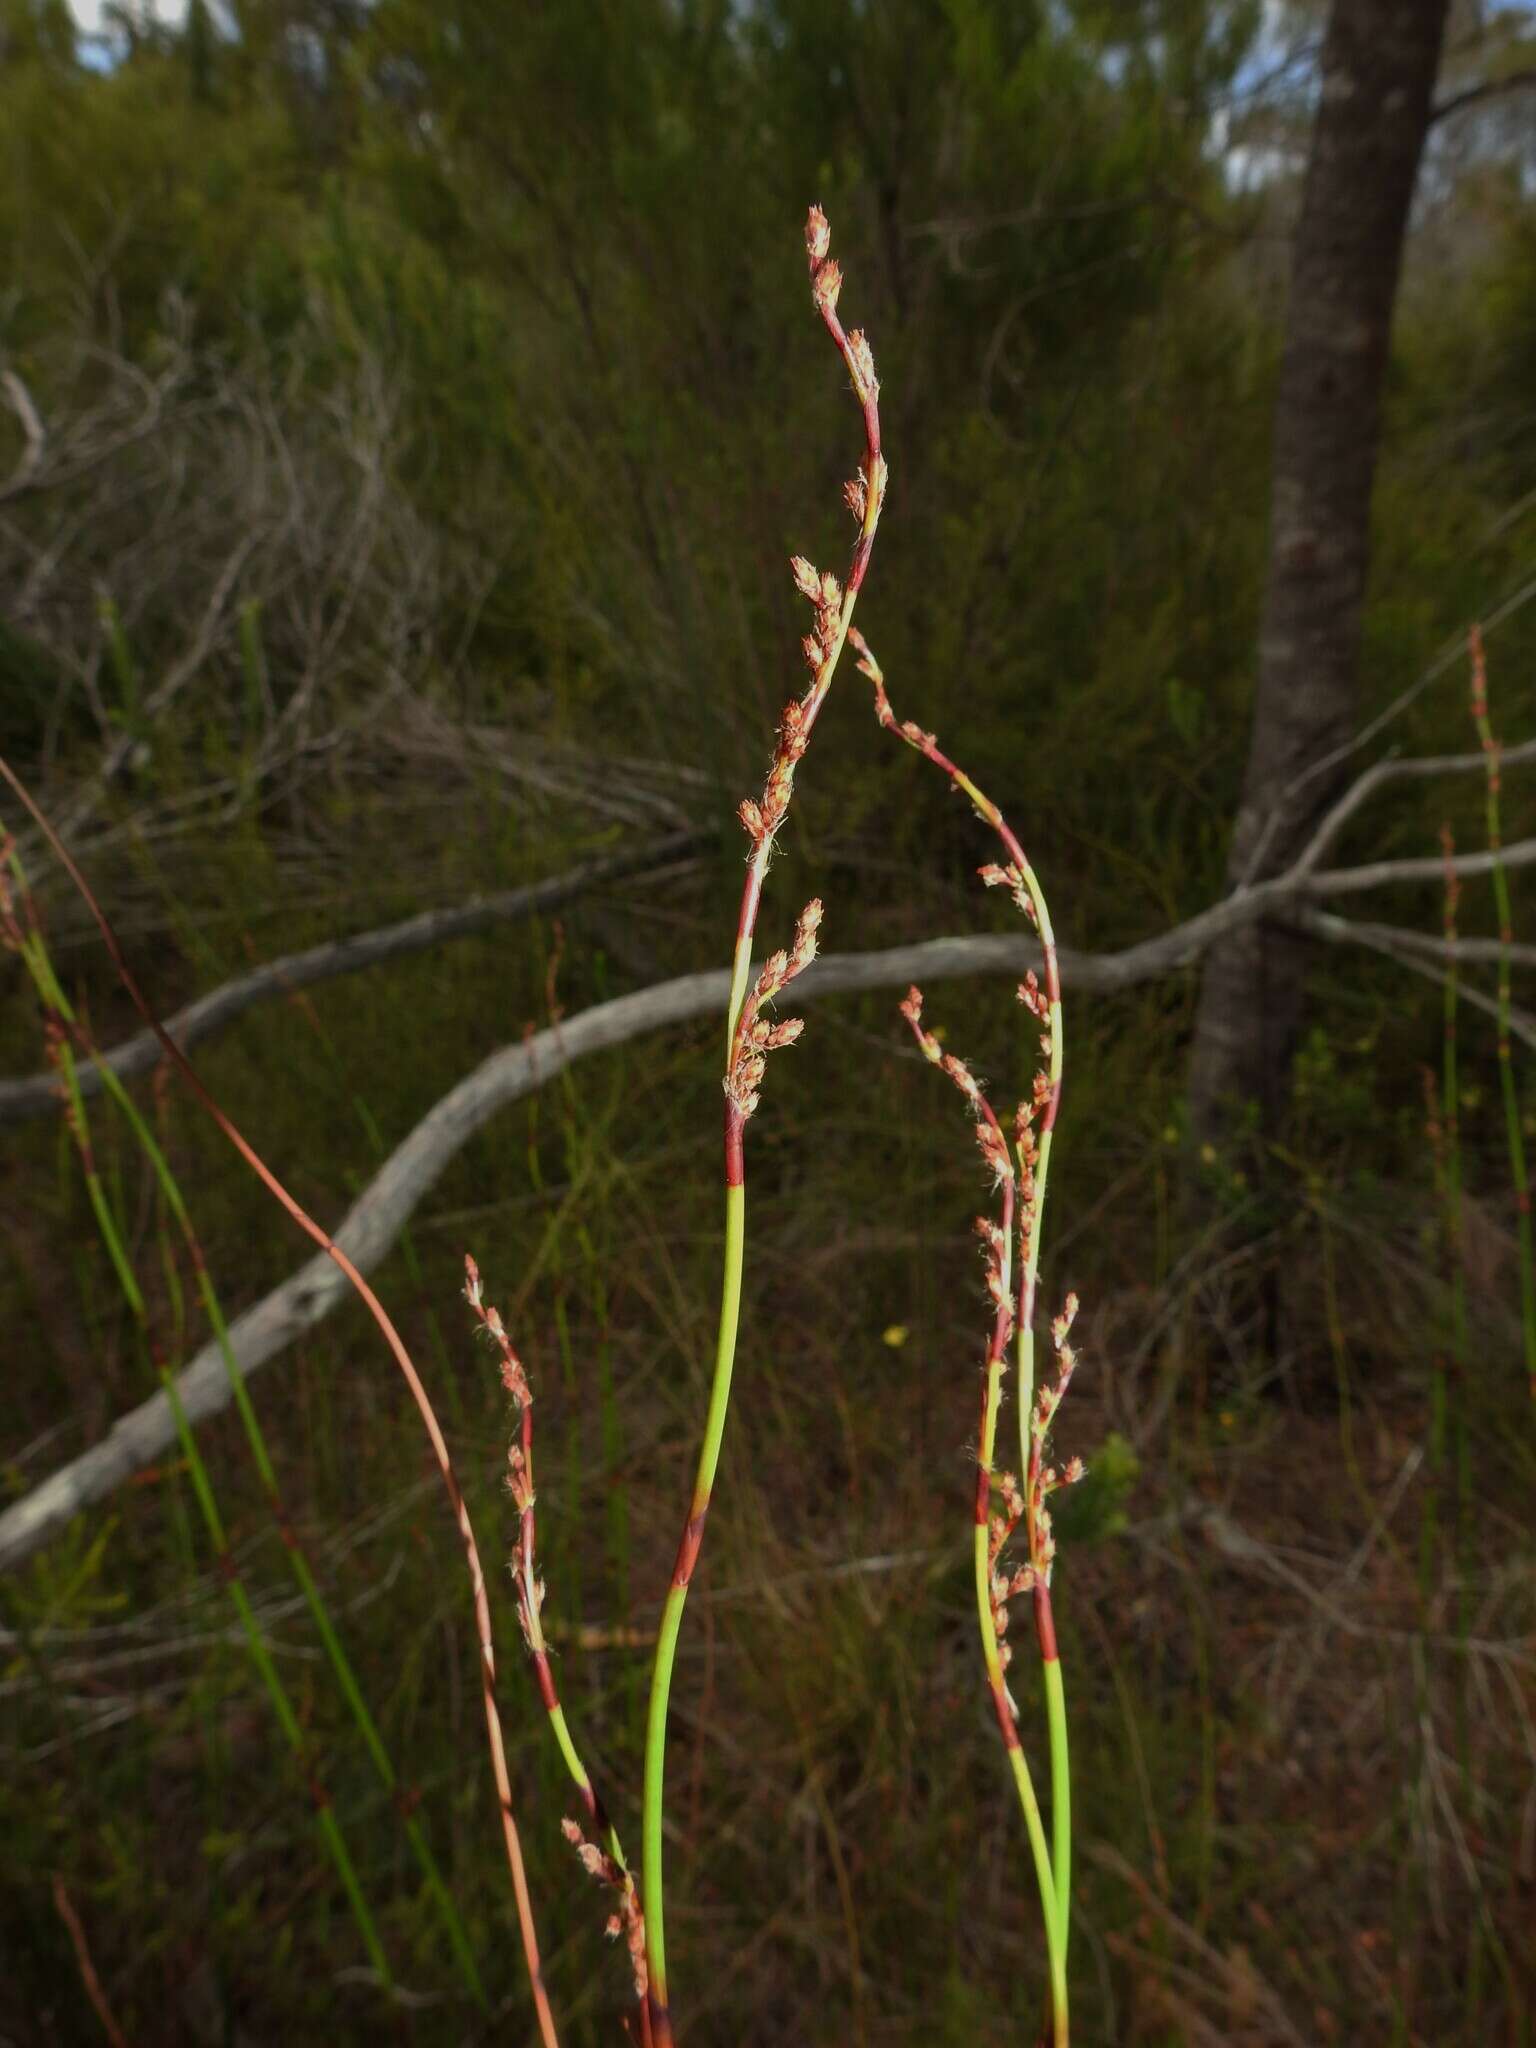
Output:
x=402 y=1359
x=607 y=1864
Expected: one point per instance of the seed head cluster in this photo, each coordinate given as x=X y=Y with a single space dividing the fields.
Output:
x=1020 y=1172
x=513 y=1378
x=529 y=1587
x=1010 y=876
x=831 y=602
x=1005 y=1584
x=1045 y=1479
x=755 y=1036
x=826 y=284
x=1028 y=1505
x=627 y=1920
x=989 y=1136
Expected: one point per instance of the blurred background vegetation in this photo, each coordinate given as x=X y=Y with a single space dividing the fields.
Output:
x=412 y=407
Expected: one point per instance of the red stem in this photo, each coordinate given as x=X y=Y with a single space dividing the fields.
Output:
x=402 y=1358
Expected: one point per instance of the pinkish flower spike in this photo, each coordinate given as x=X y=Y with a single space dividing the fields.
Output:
x=994 y=1152
x=806 y=927
x=818 y=235
x=1033 y=1000
x=863 y=363
x=1060 y=1324
x=959 y=1073
x=771 y=980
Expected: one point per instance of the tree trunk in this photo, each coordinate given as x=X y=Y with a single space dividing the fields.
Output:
x=1378 y=70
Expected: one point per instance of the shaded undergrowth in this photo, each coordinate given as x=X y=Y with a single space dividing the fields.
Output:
x=1306 y=1811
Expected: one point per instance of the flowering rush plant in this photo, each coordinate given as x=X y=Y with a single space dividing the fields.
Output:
x=1014 y=1551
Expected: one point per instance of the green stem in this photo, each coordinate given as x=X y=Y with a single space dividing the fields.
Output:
x=677 y=1596
x=282 y=1706
x=1061 y=1793
x=1053 y=1870
x=1018 y=1763
x=826 y=648
x=1029 y=1282
x=986 y=1455
x=54 y=997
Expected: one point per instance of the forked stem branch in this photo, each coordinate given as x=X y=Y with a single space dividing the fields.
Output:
x=1023 y=1177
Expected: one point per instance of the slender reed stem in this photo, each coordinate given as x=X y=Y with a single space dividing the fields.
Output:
x=608 y=1864
x=677 y=1594
x=994 y=1586
x=28 y=943
x=1034 y=1127
x=402 y=1359
x=57 y=1003
x=748 y=1039
x=1517 y=1166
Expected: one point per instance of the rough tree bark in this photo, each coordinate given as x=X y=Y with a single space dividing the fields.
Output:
x=1378 y=67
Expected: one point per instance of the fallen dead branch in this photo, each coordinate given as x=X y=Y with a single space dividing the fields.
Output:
x=380 y=1212
x=1288 y=896
x=38 y=1093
